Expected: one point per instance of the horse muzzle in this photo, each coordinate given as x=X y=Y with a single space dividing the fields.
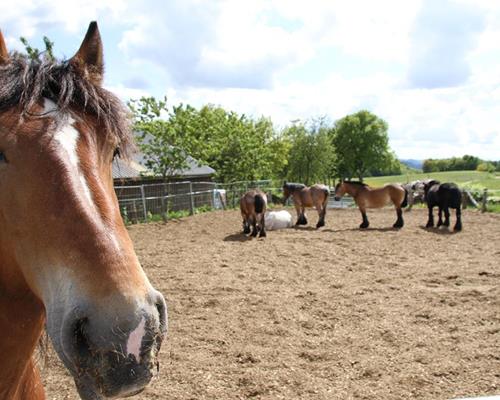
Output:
x=112 y=353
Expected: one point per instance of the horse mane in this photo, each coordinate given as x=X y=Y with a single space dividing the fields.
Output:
x=294 y=186
x=358 y=183
x=24 y=82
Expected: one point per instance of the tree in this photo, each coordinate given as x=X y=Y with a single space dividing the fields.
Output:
x=34 y=54
x=164 y=148
x=361 y=144
x=311 y=154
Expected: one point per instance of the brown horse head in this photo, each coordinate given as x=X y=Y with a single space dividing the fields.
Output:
x=65 y=255
x=340 y=190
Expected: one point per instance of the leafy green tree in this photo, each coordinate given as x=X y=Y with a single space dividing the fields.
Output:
x=311 y=153
x=163 y=147
x=361 y=144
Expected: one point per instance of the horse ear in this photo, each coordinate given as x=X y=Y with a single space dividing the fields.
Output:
x=90 y=55
x=4 y=54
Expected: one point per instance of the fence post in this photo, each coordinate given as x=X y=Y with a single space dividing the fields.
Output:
x=163 y=210
x=191 y=199
x=143 y=196
x=485 y=201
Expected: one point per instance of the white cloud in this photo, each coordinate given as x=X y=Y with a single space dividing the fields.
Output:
x=288 y=59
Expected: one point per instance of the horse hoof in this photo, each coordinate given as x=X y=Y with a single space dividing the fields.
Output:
x=263 y=234
x=254 y=233
x=320 y=224
x=439 y=224
x=457 y=228
x=397 y=226
x=429 y=225
x=364 y=226
x=246 y=231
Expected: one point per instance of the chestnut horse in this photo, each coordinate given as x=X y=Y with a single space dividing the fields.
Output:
x=253 y=208
x=367 y=197
x=303 y=196
x=66 y=259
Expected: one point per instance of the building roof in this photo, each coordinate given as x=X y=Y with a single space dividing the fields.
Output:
x=135 y=168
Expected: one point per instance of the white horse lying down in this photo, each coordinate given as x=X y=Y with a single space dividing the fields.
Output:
x=278 y=220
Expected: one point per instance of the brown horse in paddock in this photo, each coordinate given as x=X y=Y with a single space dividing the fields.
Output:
x=66 y=259
x=253 y=206
x=303 y=196
x=367 y=197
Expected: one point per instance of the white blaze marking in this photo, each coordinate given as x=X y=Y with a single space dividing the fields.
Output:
x=67 y=137
x=135 y=340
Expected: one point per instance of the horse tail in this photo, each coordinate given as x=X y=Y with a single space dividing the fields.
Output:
x=259 y=203
x=405 y=200
x=327 y=193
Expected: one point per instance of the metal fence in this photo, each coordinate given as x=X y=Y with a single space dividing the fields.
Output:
x=149 y=201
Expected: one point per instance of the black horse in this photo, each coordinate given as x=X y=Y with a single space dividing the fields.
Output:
x=444 y=196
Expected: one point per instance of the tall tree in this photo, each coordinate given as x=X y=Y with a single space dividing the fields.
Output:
x=361 y=144
x=311 y=154
x=163 y=147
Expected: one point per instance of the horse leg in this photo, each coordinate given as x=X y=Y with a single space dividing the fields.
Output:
x=365 y=224
x=262 y=226
x=246 y=226
x=399 y=222
x=458 y=224
x=254 y=225
x=303 y=219
x=440 y=216
x=446 y=216
x=321 y=213
x=430 y=221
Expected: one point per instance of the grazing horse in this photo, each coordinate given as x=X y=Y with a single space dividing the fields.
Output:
x=367 y=197
x=253 y=208
x=303 y=196
x=444 y=196
x=66 y=260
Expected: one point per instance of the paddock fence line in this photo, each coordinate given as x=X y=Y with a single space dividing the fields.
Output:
x=145 y=202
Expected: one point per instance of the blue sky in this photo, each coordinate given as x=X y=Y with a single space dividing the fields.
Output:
x=429 y=68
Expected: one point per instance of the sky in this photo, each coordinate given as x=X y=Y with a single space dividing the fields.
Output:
x=429 y=68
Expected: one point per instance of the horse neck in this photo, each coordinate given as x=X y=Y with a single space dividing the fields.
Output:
x=21 y=324
x=353 y=190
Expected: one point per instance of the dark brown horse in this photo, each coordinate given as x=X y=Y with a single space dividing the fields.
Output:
x=66 y=260
x=304 y=196
x=253 y=208
x=367 y=197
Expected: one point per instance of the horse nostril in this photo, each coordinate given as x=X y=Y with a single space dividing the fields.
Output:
x=81 y=341
x=161 y=307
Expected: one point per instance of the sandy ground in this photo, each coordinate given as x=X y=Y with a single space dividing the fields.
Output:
x=336 y=313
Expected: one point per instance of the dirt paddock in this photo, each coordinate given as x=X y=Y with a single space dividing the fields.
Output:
x=335 y=313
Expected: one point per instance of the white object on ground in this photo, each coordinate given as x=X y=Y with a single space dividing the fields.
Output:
x=278 y=220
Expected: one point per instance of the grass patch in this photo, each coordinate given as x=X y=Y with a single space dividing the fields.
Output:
x=474 y=180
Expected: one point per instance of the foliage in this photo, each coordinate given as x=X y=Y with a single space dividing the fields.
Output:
x=465 y=163
x=311 y=154
x=485 y=167
x=163 y=147
x=237 y=147
x=361 y=144
x=34 y=54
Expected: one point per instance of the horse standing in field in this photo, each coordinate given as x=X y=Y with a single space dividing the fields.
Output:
x=66 y=259
x=253 y=206
x=304 y=196
x=444 y=196
x=367 y=197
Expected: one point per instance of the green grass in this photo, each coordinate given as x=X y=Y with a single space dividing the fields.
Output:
x=473 y=180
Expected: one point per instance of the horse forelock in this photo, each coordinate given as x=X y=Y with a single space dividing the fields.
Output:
x=25 y=83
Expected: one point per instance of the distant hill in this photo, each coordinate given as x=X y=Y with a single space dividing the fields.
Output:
x=417 y=164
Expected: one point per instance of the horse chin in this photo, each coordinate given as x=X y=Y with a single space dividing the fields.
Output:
x=89 y=390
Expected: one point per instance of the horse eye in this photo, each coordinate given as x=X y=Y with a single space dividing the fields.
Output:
x=3 y=159
x=116 y=153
